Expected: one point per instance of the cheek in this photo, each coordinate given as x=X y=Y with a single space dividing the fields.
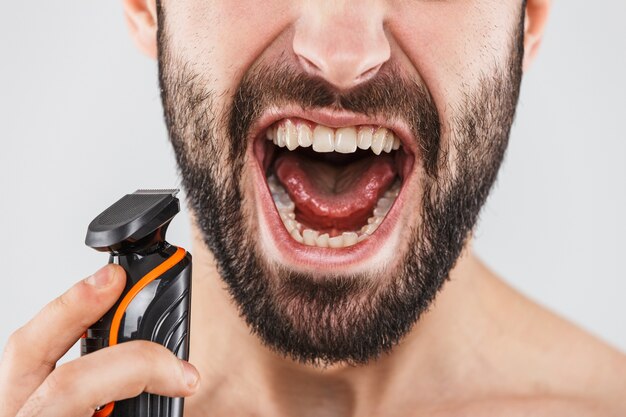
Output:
x=222 y=39
x=452 y=43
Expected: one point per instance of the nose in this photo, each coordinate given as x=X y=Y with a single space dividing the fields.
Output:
x=343 y=42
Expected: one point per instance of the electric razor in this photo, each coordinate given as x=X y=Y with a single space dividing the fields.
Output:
x=155 y=304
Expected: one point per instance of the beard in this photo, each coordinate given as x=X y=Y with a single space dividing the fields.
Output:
x=350 y=318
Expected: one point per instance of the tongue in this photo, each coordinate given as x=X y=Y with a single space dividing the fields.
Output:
x=334 y=198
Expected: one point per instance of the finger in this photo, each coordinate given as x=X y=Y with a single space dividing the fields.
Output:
x=122 y=371
x=33 y=350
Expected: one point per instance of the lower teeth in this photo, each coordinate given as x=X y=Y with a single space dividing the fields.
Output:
x=286 y=210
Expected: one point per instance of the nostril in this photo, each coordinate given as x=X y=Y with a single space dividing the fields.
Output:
x=308 y=65
x=344 y=73
x=366 y=75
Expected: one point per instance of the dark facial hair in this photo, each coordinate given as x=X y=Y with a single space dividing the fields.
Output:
x=340 y=317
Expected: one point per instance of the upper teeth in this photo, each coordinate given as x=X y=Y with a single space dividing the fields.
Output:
x=325 y=139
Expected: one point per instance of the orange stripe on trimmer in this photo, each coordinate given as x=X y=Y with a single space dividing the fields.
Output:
x=121 y=309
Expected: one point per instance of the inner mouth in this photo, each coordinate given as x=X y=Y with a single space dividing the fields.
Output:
x=332 y=187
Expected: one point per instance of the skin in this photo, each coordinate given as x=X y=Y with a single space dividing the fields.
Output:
x=481 y=350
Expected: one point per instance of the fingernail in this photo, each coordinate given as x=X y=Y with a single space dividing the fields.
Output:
x=191 y=374
x=102 y=278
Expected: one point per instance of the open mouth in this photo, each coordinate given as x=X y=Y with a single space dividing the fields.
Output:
x=332 y=187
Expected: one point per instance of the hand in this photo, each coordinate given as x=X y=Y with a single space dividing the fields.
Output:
x=32 y=385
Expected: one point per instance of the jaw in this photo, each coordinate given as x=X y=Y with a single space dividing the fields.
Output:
x=373 y=253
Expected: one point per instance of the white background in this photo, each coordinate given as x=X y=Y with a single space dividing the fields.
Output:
x=81 y=125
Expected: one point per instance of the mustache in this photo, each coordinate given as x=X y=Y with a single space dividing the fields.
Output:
x=389 y=94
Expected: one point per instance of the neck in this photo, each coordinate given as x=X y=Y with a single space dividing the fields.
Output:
x=238 y=371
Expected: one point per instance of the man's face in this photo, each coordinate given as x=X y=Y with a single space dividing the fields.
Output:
x=336 y=154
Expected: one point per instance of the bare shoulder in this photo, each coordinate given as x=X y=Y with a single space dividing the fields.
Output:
x=531 y=407
x=562 y=366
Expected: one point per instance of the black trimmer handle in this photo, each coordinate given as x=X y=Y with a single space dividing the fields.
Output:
x=155 y=304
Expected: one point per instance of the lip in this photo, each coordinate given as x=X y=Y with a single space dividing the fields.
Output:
x=377 y=248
